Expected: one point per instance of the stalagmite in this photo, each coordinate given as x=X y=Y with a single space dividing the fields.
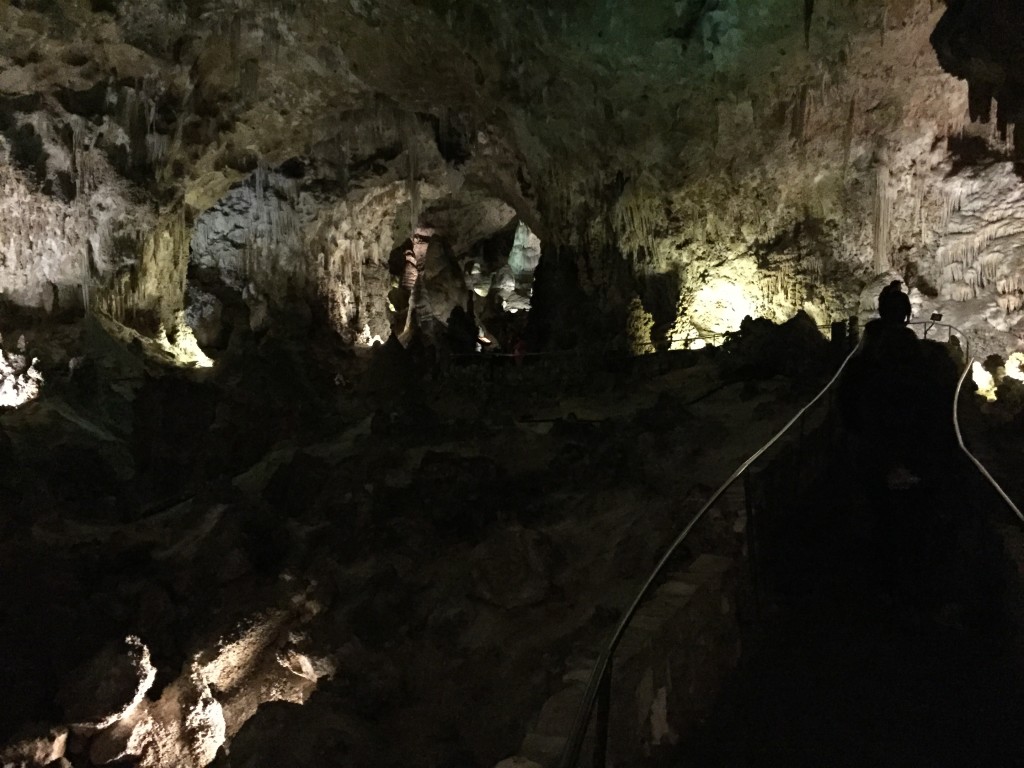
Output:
x=1010 y=303
x=972 y=279
x=960 y=291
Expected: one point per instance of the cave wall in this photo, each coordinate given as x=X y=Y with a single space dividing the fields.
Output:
x=821 y=160
x=68 y=215
x=794 y=151
x=132 y=130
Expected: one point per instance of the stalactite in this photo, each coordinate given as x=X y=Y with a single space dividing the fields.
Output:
x=1010 y=303
x=848 y=133
x=637 y=216
x=952 y=196
x=959 y=291
x=968 y=248
x=884 y=200
x=973 y=279
x=989 y=266
x=808 y=16
x=799 y=122
x=815 y=265
x=412 y=179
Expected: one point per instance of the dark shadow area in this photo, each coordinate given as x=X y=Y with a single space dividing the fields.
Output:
x=980 y=42
x=888 y=647
x=885 y=638
x=969 y=152
x=660 y=296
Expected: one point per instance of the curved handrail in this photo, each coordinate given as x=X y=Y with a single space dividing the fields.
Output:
x=951 y=328
x=960 y=439
x=571 y=751
x=968 y=367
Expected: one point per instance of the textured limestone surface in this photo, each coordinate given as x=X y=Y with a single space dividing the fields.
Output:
x=293 y=147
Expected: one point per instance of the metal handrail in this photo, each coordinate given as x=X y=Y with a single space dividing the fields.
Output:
x=600 y=678
x=599 y=684
x=929 y=324
x=960 y=439
x=713 y=337
x=968 y=367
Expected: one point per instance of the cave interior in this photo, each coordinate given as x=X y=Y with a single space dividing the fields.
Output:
x=359 y=361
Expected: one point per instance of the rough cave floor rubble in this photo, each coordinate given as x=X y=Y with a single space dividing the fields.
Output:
x=416 y=557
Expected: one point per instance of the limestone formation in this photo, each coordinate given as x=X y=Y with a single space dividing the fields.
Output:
x=110 y=687
x=357 y=356
x=280 y=150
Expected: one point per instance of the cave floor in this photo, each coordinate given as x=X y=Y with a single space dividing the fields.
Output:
x=432 y=548
x=888 y=637
x=452 y=540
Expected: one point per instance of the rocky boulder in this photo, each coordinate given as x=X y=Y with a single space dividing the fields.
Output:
x=513 y=568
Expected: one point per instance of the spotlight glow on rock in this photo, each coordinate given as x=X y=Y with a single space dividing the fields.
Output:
x=368 y=338
x=984 y=380
x=1015 y=366
x=721 y=305
x=20 y=380
x=184 y=350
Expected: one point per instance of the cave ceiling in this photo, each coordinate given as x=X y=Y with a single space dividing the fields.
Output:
x=803 y=149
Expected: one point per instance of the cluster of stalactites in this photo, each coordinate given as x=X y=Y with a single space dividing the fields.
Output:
x=983 y=258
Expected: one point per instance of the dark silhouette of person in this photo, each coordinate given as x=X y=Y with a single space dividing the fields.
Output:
x=462 y=331
x=894 y=304
x=888 y=394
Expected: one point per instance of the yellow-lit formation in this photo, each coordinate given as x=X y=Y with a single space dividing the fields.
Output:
x=721 y=305
x=984 y=380
x=20 y=380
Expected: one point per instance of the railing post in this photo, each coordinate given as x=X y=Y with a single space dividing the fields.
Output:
x=854 y=331
x=838 y=339
x=604 y=710
x=799 y=458
x=748 y=500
